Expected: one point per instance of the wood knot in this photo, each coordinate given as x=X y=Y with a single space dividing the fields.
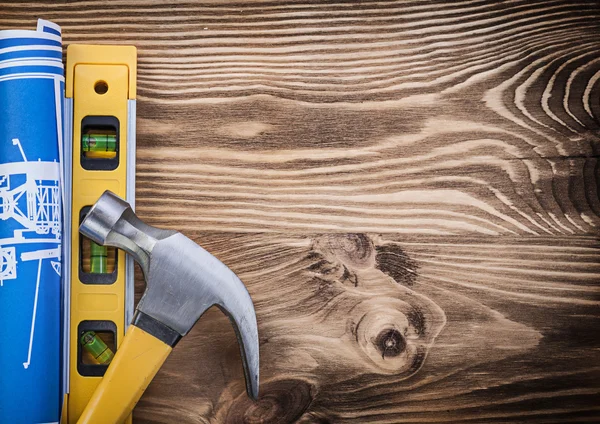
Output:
x=390 y=343
x=280 y=401
x=354 y=251
x=381 y=334
x=396 y=335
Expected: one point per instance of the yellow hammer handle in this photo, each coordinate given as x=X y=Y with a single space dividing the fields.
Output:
x=135 y=364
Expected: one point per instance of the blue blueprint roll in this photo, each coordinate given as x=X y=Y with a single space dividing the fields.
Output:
x=31 y=93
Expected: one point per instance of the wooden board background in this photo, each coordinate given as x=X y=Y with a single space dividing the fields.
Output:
x=410 y=191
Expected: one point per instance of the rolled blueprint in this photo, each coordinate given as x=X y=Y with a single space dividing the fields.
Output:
x=31 y=93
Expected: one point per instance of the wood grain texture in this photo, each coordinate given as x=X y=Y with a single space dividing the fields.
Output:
x=372 y=328
x=410 y=190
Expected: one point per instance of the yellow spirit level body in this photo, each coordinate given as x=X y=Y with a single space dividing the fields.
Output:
x=99 y=99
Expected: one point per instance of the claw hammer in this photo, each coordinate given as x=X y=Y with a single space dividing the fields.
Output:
x=182 y=281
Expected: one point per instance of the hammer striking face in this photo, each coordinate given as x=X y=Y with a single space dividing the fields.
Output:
x=182 y=281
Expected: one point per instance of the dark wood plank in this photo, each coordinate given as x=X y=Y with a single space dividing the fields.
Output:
x=368 y=328
x=420 y=117
x=409 y=189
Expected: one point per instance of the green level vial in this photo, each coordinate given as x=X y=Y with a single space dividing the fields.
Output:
x=98 y=258
x=99 y=143
x=97 y=348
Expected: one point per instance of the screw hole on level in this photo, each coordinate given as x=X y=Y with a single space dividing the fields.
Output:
x=101 y=87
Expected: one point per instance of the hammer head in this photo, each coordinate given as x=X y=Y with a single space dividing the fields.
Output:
x=182 y=279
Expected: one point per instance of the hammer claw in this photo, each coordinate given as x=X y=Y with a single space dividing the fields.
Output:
x=247 y=335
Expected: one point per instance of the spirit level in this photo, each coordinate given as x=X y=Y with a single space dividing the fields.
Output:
x=99 y=155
